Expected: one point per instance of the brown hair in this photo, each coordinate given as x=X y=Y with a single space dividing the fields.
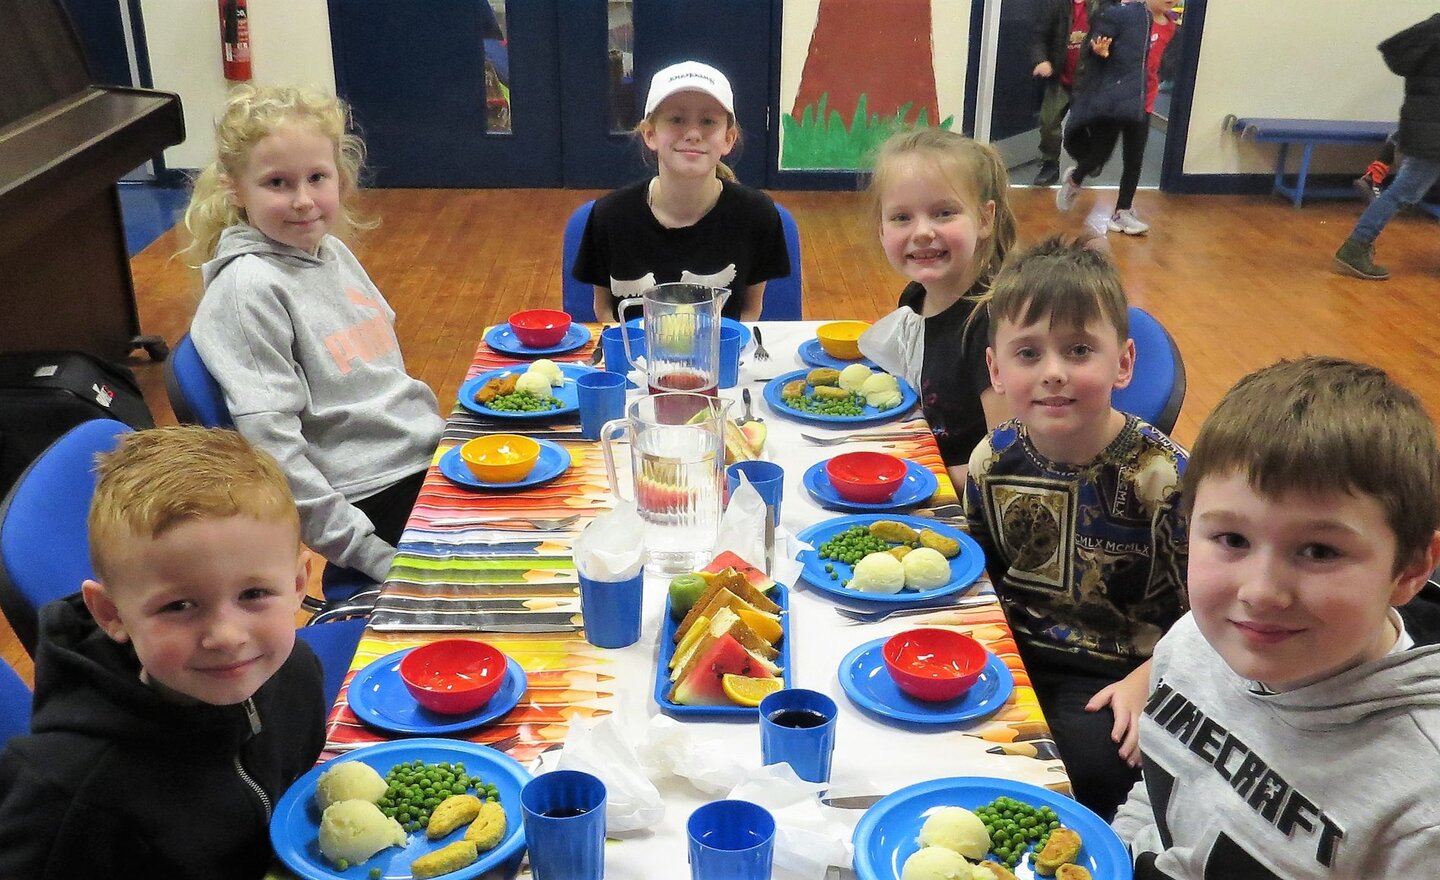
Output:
x=1064 y=278
x=250 y=115
x=974 y=170
x=163 y=477
x=1326 y=424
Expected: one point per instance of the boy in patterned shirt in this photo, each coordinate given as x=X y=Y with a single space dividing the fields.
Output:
x=1076 y=506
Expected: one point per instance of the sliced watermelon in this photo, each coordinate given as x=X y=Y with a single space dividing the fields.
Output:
x=701 y=684
x=757 y=577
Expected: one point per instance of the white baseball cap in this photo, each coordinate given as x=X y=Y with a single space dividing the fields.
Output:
x=690 y=76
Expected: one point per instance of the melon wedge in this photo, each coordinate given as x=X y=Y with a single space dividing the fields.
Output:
x=729 y=559
x=701 y=682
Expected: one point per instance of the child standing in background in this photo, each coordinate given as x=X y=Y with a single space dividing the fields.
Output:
x=692 y=221
x=296 y=333
x=1314 y=499
x=942 y=203
x=173 y=702
x=1077 y=507
x=1113 y=100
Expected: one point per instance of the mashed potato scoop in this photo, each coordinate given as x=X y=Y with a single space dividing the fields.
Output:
x=355 y=830
x=956 y=829
x=350 y=780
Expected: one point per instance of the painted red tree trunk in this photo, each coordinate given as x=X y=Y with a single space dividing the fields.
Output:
x=880 y=49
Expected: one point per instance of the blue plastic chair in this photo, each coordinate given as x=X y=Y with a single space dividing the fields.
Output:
x=45 y=544
x=782 y=295
x=15 y=703
x=197 y=399
x=1157 y=390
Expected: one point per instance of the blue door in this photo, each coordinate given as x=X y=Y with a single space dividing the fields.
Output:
x=450 y=92
x=536 y=93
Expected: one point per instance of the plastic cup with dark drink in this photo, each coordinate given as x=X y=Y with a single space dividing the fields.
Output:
x=564 y=814
x=797 y=727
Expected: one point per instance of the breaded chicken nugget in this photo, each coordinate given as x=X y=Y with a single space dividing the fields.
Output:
x=1063 y=847
x=452 y=857
x=488 y=392
x=507 y=383
x=454 y=811
x=793 y=389
x=823 y=376
x=999 y=871
x=1072 y=872
x=948 y=547
x=830 y=392
x=894 y=532
x=488 y=829
x=899 y=552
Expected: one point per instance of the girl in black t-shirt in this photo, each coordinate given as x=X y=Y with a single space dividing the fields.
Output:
x=691 y=222
x=946 y=224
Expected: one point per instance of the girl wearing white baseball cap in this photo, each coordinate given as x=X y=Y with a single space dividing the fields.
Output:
x=692 y=221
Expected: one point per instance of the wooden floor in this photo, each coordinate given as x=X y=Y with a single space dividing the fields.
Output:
x=1239 y=281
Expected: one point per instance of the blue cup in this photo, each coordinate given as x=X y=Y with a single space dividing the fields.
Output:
x=797 y=727
x=602 y=398
x=767 y=477
x=612 y=343
x=611 y=610
x=731 y=840
x=564 y=814
x=729 y=356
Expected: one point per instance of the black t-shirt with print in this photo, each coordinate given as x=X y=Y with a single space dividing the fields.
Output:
x=954 y=373
x=740 y=242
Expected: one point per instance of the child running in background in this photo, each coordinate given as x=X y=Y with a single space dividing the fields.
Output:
x=1314 y=498
x=1076 y=506
x=173 y=703
x=692 y=221
x=1113 y=99
x=942 y=203
x=296 y=333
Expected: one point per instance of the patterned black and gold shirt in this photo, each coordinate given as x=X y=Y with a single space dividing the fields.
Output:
x=1088 y=561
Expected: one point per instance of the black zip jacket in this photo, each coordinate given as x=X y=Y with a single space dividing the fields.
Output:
x=114 y=781
x=1414 y=53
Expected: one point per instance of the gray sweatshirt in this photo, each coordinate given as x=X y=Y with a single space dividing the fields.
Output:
x=304 y=347
x=1337 y=779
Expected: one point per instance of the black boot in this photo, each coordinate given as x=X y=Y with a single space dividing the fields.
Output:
x=1049 y=173
x=1357 y=258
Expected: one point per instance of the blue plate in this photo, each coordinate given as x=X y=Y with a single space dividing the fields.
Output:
x=502 y=338
x=919 y=484
x=886 y=835
x=868 y=685
x=780 y=596
x=379 y=698
x=869 y=416
x=295 y=825
x=964 y=568
x=724 y=322
x=811 y=353
x=553 y=461
x=567 y=393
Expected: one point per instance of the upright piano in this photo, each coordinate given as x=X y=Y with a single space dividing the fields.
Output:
x=64 y=271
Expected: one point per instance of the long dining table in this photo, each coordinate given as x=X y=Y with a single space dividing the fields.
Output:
x=472 y=564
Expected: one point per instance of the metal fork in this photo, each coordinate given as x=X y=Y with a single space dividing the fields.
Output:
x=857 y=616
x=493 y=522
x=760 y=353
x=858 y=438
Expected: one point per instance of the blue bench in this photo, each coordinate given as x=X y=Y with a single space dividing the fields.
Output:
x=1307 y=133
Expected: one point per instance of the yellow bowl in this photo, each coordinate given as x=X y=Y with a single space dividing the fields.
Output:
x=841 y=339
x=500 y=458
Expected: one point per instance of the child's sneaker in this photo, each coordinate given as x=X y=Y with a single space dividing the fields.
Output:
x=1068 y=192
x=1125 y=221
x=1357 y=258
x=1368 y=189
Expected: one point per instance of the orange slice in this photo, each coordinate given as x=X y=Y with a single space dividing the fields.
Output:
x=745 y=691
x=764 y=625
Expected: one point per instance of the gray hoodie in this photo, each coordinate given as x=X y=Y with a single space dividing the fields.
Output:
x=304 y=347
x=1337 y=779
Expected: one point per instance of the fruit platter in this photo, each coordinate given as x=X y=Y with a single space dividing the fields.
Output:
x=725 y=642
x=856 y=395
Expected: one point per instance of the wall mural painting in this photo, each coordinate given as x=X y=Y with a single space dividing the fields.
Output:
x=864 y=77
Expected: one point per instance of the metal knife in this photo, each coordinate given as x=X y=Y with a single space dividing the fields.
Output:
x=769 y=539
x=852 y=802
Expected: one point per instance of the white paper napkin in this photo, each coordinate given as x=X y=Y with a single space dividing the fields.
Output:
x=631 y=800
x=610 y=548
x=806 y=842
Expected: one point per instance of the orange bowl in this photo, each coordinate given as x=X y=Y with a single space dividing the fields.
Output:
x=934 y=664
x=500 y=458
x=841 y=339
x=453 y=676
x=540 y=328
x=865 y=477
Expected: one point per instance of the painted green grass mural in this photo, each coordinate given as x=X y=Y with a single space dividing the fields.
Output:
x=821 y=141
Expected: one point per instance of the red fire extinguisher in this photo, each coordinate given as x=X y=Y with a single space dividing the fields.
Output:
x=235 y=39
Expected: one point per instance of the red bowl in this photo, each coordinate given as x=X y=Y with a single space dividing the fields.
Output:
x=865 y=477
x=934 y=664
x=540 y=328
x=453 y=676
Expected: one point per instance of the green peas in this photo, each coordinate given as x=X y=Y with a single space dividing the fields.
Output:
x=522 y=401
x=1015 y=827
x=374 y=874
x=414 y=789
